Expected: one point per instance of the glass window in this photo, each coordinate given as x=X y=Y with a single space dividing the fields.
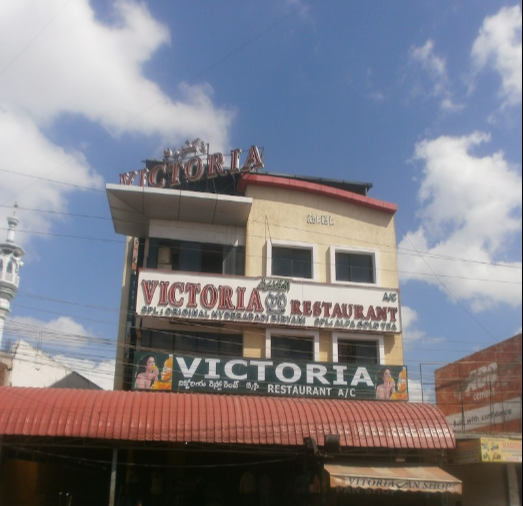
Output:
x=355 y=267
x=188 y=256
x=292 y=348
x=194 y=343
x=358 y=352
x=212 y=345
x=292 y=262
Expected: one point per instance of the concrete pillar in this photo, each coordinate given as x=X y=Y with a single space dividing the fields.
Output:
x=1 y=484
x=513 y=487
x=112 y=492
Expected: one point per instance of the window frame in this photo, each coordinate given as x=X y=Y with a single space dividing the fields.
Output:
x=313 y=248
x=375 y=254
x=315 y=335
x=340 y=336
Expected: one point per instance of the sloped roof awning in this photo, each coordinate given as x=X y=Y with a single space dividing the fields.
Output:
x=219 y=419
x=133 y=208
x=431 y=480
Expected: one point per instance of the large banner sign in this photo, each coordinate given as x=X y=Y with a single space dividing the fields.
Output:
x=482 y=392
x=227 y=375
x=278 y=302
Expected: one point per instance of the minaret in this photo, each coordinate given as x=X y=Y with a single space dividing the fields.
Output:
x=10 y=263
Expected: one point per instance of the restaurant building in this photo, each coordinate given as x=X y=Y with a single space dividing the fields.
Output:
x=260 y=353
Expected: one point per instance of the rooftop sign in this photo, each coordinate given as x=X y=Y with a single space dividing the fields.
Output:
x=193 y=163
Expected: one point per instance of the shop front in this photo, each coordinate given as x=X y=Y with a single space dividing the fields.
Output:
x=490 y=469
x=192 y=449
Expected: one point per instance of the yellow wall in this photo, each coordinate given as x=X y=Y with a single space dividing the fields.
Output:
x=282 y=215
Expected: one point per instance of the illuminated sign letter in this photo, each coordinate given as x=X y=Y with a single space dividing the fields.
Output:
x=254 y=161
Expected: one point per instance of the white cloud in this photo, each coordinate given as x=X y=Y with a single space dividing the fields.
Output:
x=26 y=151
x=435 y=67
x=62 y=332
x=66 y=340
x=99 y=372
x=302 y=8
x=470 y=209
x=412 y=334
x=499 y=47
x=79 y=67
x=421 y=393
x=65 y=73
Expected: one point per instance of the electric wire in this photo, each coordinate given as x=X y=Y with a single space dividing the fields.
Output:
x=317 y=262
x=33 y=39
x=204 y=71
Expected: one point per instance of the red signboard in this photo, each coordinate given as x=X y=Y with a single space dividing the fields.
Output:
x=482 y=393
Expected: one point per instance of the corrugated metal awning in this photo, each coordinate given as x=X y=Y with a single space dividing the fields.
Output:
x=431 y=480
x=220 y=419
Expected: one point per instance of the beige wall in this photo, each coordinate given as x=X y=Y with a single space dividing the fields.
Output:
x=282 y=215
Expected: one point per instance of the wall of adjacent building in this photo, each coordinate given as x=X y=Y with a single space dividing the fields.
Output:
x=31 y=368
x=483 y=484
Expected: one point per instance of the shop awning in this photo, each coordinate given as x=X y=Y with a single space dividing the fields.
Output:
x=431 y=480
x=220 y=419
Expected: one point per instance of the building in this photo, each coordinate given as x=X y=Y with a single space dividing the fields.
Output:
x=27 y=367
x=260 y=355
x=332 y=245
x=10 y=262
x=481 y=398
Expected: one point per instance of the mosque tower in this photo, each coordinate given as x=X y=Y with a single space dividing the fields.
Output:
x=10 y=262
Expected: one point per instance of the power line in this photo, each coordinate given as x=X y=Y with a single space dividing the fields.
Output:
x=33 y=40
x=204 y=71
x=317 y=263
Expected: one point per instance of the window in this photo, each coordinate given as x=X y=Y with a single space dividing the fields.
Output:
x=353 y=266
x=213 y=345
x=290 y=345
x=194 y=343
x=358 y=349
x=189 y=256
x=292 y=348
x=358 y=352
x=291 y=260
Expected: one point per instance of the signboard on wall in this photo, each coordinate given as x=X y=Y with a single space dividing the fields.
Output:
x=501 y=450
x=483 y=392
x=488 y=450
x=228 y=375
x=279 y=302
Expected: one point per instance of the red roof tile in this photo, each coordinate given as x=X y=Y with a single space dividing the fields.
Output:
x=197 y=418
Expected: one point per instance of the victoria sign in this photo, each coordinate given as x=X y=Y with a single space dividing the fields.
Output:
x=227 y=375
x=191 y=164
x=278 y=302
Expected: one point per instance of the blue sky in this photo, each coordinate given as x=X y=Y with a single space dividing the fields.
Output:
x=423 y=99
